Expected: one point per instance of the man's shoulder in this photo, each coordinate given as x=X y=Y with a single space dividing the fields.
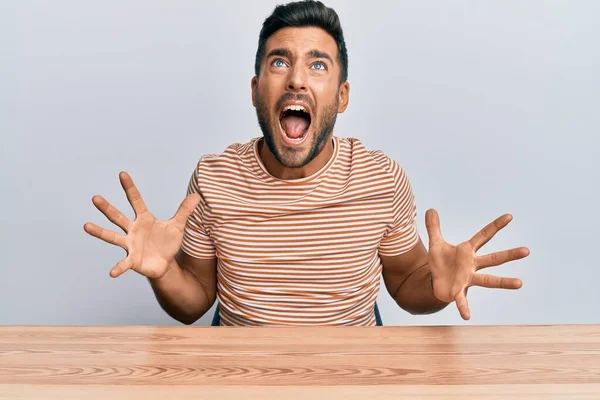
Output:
x=356 y=149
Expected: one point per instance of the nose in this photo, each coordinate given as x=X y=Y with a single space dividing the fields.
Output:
x=297 y=79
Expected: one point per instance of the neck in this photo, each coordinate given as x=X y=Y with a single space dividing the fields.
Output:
x=280 y=171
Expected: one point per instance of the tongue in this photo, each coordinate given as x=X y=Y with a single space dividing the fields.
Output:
x=294 y=126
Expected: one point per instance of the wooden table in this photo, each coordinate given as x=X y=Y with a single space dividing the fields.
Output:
x=308 y=363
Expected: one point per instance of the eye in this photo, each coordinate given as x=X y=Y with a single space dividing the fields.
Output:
x=279 y=63
x=321 y=66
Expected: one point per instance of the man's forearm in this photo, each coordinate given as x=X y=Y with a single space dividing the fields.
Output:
x=180 y=294
x=415 y=295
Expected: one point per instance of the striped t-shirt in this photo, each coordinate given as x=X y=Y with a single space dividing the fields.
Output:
x=303 y=251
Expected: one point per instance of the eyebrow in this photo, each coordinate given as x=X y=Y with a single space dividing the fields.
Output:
x=314 y=53
x=319 y=54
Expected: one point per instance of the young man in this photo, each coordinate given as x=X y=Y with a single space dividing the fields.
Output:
x=300 y=222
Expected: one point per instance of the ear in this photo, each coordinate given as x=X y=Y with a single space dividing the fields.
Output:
x=253 y=85
x=343 y=96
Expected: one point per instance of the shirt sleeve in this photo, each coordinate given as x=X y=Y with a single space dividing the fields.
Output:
x=403 y=234
x=196 y=241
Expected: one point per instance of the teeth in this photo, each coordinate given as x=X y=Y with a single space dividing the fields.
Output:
x=294 y=107
x=301 y=138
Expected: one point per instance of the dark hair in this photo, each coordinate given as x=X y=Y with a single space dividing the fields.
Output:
x=301 y=14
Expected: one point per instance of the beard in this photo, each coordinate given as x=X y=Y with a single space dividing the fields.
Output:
x=323 y=130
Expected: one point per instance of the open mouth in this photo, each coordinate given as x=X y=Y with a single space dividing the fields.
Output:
x=295 y=121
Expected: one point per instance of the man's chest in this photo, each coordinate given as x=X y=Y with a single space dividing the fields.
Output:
x=309 y=227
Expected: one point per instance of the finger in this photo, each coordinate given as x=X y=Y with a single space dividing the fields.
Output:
x=186 y=208
x=501 y=257
x=495 y=282
x=432 y=223
x=106 y=235
x=133 y=194
x=115 y=216
x=488 y=232
x=463 y=305
x=120 y=268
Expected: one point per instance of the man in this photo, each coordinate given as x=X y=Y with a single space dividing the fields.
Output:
x=300 y=222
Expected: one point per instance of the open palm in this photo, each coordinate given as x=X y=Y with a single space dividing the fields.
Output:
x=151 y=244
x=454 y=267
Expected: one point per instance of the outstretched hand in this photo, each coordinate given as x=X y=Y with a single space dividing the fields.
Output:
x=454 y=267
x=151 y=244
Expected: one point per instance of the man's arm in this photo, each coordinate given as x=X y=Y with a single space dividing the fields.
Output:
x=189 y=288
x=407 y=278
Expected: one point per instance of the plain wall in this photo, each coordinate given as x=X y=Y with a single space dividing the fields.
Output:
x=490 y=106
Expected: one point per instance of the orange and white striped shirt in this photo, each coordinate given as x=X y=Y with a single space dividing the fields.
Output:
x=303 y=251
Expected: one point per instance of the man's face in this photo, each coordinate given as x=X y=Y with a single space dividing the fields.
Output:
x=298 y=93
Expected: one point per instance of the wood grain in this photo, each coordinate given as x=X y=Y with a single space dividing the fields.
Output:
x=561 y=361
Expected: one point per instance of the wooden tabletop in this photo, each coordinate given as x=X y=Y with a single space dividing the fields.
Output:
x=308 y=363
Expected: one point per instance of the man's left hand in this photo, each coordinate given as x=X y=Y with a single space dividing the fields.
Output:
x=454 y=267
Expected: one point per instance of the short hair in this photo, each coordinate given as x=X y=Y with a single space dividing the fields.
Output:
x=306 y=13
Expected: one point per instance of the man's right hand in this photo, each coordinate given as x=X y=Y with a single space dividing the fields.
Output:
x=151 y=245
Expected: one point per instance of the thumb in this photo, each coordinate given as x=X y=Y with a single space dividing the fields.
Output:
x=432 y=223
x=186 y=208
x=463 y=305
